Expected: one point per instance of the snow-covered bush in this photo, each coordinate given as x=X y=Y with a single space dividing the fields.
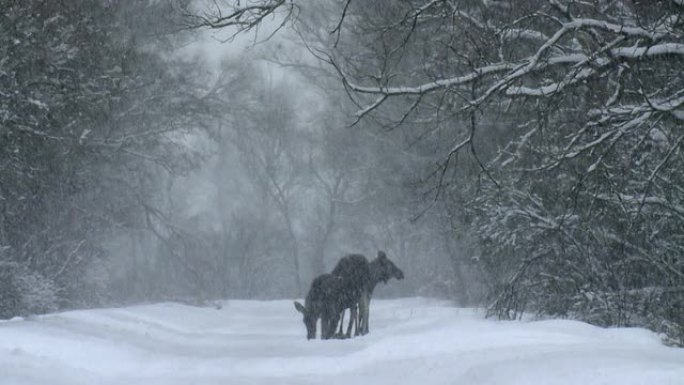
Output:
x=23 y=292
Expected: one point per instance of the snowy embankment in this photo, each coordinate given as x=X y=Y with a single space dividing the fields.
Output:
x=412 y=341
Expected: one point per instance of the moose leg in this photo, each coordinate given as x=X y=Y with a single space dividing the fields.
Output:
x=365 y=329
x=327 y=328
x=333 y=324
x=362 y=316
x=352 y=320
x=364 y=310
x=341 y=322
x=325 y=322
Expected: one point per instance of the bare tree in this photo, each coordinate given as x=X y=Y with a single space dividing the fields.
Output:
x=574 y=206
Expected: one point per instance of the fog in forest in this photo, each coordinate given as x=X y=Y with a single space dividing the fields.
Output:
x=523 y=156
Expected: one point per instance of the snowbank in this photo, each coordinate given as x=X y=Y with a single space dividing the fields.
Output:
x=412 y=341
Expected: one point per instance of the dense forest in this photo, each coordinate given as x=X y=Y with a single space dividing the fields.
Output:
x=522 y=155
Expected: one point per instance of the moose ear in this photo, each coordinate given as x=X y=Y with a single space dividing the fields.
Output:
x=381 y=254
x=300 y=308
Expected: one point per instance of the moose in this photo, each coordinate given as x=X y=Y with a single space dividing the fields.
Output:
x=364 y=276
x=349 y=286
x=323 y=301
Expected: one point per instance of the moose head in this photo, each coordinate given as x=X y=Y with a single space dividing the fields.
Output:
x=382 y=268
x=310 y=320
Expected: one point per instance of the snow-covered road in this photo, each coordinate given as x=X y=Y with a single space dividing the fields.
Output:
x=412 y=341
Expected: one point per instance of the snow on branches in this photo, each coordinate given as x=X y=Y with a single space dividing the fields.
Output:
x=582 y=205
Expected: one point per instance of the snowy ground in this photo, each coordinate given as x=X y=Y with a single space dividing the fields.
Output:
x=412 y=341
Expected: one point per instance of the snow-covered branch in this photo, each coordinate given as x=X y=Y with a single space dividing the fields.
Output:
x=648 y=51
x=558 y=53
x=240 y=16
